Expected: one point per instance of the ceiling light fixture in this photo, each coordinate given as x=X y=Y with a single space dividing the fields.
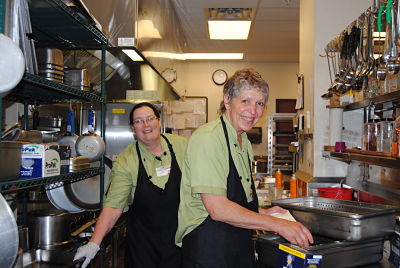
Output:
x=193 y=56
x=229 y=23
x=131 y=53
x=214 y=56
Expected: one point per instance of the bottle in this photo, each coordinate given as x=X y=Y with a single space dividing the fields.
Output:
x=278 y=179
x=293 y=187
x=396 y=138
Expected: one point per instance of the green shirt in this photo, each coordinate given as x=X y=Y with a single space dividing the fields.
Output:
x=123 y=177
x=206 y=170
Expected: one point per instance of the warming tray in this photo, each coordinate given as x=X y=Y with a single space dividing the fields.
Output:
x=334 y=253
x=340 y=219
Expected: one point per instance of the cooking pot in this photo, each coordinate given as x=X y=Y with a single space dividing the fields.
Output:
x=91 y=146
x=71 y=141
x=8 y=234
x=49 y=228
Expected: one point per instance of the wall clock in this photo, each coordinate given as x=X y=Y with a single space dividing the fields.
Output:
x=219 y=77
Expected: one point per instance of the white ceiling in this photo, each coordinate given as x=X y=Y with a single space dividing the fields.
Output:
x=274 y=34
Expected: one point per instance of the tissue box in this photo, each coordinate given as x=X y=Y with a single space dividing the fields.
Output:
x=39 y=160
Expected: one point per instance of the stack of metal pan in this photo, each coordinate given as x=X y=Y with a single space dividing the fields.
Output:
x=50 y=63
x=77 y=78
x=78 y=163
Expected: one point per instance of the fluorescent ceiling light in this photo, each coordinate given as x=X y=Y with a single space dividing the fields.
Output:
x=214 y=56
x=193 y=56
x=229 y=29
x=132 y=54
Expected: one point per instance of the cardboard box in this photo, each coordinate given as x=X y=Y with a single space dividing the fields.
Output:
x=39 y=160
x=288 y=257
x=65 y=154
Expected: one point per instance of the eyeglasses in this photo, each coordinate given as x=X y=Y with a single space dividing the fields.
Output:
x=148 y=119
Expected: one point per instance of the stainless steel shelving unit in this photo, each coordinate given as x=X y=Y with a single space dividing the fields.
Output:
x=278 y=158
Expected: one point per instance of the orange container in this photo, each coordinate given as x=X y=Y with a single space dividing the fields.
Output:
x=294 y=190
x=336 y=193
x=278 y=179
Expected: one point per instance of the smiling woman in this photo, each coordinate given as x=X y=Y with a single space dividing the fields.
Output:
x=219 y=205
x=145 y=180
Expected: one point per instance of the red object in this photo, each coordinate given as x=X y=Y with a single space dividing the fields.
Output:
x=336 y=193
x=370 y=198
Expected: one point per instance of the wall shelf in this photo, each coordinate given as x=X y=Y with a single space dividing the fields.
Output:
x=35 y=89
x=368 y=159
x=56 y=181
x=392 y=96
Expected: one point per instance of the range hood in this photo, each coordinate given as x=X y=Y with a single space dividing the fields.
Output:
x=125 y=78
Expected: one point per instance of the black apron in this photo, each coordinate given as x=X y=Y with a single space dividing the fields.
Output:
x=218 y=244
x=153 y=219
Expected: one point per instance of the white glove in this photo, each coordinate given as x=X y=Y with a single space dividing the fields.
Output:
x=88 y=251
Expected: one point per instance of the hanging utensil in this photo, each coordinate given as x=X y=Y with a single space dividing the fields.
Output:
x=90 y=144
x=393 y=62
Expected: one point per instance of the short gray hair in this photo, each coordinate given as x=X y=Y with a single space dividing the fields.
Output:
x=244 y=79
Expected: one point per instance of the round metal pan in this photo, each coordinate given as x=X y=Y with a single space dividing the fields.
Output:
x=86 y=193
x=8 y=235
x=59 y=199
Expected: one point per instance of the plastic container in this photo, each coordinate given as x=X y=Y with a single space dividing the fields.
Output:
x=371 y=131
x=336 y=193
x=294 y=191
x=385 y=135
x=278 y=179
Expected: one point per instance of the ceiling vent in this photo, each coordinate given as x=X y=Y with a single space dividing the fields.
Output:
x=231 y=13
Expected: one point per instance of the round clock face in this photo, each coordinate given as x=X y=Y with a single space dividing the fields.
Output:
x=169 y=75
x=219 y=77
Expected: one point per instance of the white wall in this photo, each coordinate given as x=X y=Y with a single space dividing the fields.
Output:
x=197 y=81
x=320 y=22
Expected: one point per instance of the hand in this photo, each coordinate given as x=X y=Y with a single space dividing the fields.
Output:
x=294 y=232
x=87 y=251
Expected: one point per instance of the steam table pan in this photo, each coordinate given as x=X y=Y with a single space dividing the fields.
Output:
x=41 y=258
x=340 y=219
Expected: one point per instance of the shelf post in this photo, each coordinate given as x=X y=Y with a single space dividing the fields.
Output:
x=2 y=18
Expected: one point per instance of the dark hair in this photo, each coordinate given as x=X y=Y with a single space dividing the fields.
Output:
x=140 y=105
x=244 y=79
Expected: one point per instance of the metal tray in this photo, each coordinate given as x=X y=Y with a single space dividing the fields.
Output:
x=49 y=258
x=339 y=219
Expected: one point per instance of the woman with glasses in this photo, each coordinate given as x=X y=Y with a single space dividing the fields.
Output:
x=219 y=206
x=146 y=178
